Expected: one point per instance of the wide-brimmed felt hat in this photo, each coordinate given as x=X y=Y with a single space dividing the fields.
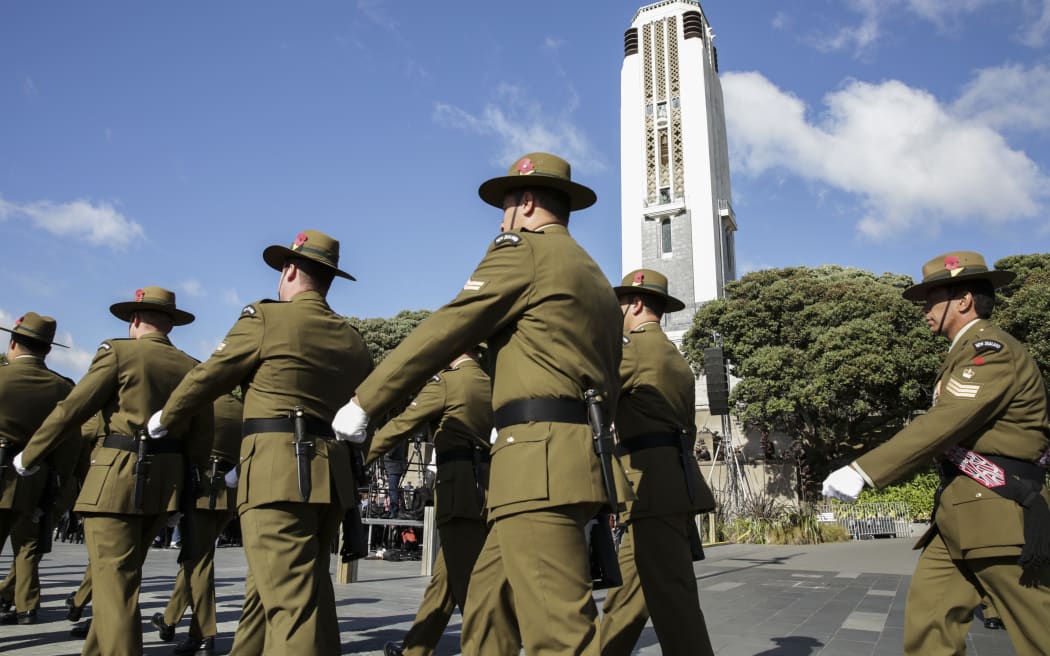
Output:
x=954 y=267
x=538 y=170
x=647 y=281
x=35 y=327
x=312 y=245
x=152 y=299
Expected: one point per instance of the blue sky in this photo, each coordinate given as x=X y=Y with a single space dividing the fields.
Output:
x=169 y=143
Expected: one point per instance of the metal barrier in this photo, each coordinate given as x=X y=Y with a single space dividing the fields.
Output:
x=866 y=521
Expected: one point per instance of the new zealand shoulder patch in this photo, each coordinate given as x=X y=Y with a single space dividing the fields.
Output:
x=435 y=379
x=104 y=346
x=248 y=311
x=986 y=345
x=625 y=340
x=507 y=239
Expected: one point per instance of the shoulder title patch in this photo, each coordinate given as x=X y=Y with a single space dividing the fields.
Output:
x=435 y=379
x=248 y=311
x=985 y=345
x=507 y=239
x=104 y=346
x=625 y=340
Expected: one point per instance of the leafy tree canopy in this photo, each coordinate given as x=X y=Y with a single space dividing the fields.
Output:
x=1023 y=307
x=832 y=356
x=383 y=335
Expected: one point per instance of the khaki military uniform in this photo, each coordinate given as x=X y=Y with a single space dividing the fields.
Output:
x=990 y=399
x=458 y=403
x=128 y=380
x=288 y=354
x=657 y=406
x=549 y=317
x=195 y=582
x=29 y=391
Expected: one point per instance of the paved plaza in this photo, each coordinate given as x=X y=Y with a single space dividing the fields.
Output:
x=838 y=599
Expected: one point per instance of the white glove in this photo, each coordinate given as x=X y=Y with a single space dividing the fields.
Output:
x=844 y=484
x=493 y=436
x=22 y=471
x=351 y=423
x=231 y=478
x=173 y=519
x=154 y=426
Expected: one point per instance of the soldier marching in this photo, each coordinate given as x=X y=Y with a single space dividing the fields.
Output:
x=572 y=361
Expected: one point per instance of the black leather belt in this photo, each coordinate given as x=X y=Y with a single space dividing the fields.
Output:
x=154 y=446
x=466 y=454
x=314 y=426
x=523 y=411
x=223 y=466
x=648 y=441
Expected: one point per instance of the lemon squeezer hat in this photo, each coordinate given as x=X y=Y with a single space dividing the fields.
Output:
x=653 y=283
x=152 y=299
x=955 y=267
x=311 y=245
x=35 y=327
x=538 y=170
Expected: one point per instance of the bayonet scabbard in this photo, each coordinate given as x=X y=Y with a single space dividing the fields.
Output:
x=142 y=465
x=304 y=451
x=214 y=481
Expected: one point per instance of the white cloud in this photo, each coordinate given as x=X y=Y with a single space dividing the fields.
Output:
x=1034 y=32
x=108 y=133
x=99 y=224
x=376 y=11
x=552 y=43
x=192 y=288
x=863 y=35
x=29 y=87
x=521 y=125
x=908 y=159
x=230 y=297
x=1008 y=97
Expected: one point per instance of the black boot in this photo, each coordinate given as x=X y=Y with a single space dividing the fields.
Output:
x=393 y=649
x=73 y=612
x=166 y=632
x=993 y=623
x=196 y=647
x=81 y=630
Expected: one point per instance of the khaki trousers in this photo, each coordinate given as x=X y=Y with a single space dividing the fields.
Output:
x=195 y=582
x=944 y=593
x=658 y=581
x=461 y=542
x=532 y=586
x=22 y=584
x=250 y=638
x=288 y=548
x=117 y=546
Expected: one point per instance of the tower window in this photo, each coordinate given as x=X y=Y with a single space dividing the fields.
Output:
x=649 y=109
x=665 y=196
x=661 y=110
x=665 y=235
x=663 y=150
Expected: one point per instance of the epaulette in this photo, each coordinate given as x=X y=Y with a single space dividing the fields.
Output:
x=506 y=239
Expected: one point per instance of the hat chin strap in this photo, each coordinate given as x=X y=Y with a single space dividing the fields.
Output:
x=944 y=316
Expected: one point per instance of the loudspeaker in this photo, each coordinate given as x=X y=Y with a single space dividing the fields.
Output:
x=717 y=381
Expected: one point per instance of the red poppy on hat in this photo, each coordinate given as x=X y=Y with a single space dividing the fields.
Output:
x=139 y=294
x=300 y=239
x=639 y=278
x=526 y=166
x=951 y=263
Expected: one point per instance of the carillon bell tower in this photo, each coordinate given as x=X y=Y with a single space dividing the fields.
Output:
x=677 y=211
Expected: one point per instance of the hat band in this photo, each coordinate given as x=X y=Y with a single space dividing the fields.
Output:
x=32 y=333
x=652 y=288
x=306 y=250
x=946 y=274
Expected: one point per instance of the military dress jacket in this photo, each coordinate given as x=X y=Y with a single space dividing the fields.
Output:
x=552 y=323
x=283 y=354
x=989 y=398
x=457 y=403
x=29 y=392
x=657 y=398
x=128 y=381
x=229 y=413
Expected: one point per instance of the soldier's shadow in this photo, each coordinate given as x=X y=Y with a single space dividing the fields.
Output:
x=793 y=646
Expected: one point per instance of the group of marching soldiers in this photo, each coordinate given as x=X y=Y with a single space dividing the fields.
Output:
x=584 y=409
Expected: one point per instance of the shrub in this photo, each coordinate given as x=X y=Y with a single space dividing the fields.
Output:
x=916 y=491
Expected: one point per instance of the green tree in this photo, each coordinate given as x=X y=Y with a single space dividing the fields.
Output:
x=1023 y=306
x=833 y=357
x=383 y=335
